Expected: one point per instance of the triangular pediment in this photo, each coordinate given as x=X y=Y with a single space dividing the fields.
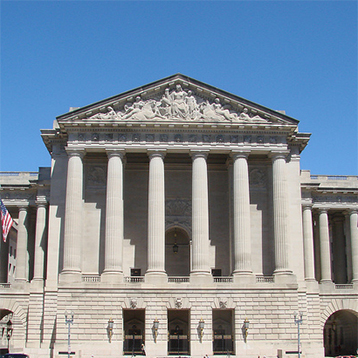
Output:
x=178 y=99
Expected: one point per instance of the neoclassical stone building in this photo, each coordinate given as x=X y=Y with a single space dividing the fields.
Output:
x=179 y=212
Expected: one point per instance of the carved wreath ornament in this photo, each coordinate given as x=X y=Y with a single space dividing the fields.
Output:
x=180 y=105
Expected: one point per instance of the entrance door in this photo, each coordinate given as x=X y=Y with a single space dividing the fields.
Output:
x=223 y=332
x=178 y=332
x=133 y=322
x=177 y=253
x=341 y=334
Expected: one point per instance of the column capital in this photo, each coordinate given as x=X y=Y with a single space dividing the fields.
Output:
x=41 y=201
x=352 y=211
x=307 y=206
x=322 y=210
x=199 y=154
x=75 y=152
x=152 y=153
x=278 y=154
x=115 y=152
x=23 y=207
x=234 y=154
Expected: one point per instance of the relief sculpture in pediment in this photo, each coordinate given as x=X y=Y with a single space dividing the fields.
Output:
x=178 y=104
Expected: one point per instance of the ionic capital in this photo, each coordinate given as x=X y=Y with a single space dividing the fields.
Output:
x=199 y=154
x=240 y=154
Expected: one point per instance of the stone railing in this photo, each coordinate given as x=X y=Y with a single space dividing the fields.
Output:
x=223 y=279
x=91 y=278
x=134 y=279
x=347 y=286
x=178 y=279
x=265 y=279
x=5 y=285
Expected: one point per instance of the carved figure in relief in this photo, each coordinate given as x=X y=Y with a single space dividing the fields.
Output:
x=132 y=109
x=244 y=116
x=192 y=105
x=179 y=107
x=216 y=111
x=111 y=114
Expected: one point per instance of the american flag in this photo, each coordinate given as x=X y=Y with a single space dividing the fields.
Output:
x=6 y=221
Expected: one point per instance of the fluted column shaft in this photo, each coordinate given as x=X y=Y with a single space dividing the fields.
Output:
x=308 y=243
x=40 y=239
x=353 y=222
x=280 y=210
x=156 y=214
x=114 y=214
x=73 y=214
x=325 y=247
x=242 y=225
x=200 y=214
x=21 y=248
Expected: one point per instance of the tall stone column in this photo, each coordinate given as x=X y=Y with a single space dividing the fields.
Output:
x=40 y=239
x=156 y=215
x=308 y=243
x=200 y=215
x=242 y=224
x=353 y=222
x=325 y=247
x=113 y=259
x=280 y=210
x=73 y=217
x=21 y=248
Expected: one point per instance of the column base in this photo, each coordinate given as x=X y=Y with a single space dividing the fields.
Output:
x=312 y=285
x=156 y=278
x=70 y=276
x=285 y=277
x=37 y=283
x=112 y=277
x=244 y=278
x=201 y=278
x=326 y=286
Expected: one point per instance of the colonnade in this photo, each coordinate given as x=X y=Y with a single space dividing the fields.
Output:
x=156 y=213
x=22 y=259
x=325 y=247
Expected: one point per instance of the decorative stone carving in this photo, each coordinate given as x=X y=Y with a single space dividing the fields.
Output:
x=136 y=137
x=220 y=138
x=247 y=139
x=177 y=138
x=96 y=175
x=193 y=138
x=257 y=178
x=163 y=137
x=222 y=303
x=122 y=137
x=178 y=303
x=95 y=137
x=109 y=136
x=260 y=139
x=81 y=136
x=234 y=139
x=178 y=207
x=178 y=104
x=273 y=140
x=110 y=114
x=133 y=303
x=149 y=137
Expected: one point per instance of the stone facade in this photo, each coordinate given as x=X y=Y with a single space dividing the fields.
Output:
x=180 y=212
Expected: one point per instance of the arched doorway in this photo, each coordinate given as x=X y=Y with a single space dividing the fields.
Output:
x=177 y=252
x=341 y=334
x=6 y=329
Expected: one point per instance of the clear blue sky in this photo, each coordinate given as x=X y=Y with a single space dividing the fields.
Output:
x=299 y=56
